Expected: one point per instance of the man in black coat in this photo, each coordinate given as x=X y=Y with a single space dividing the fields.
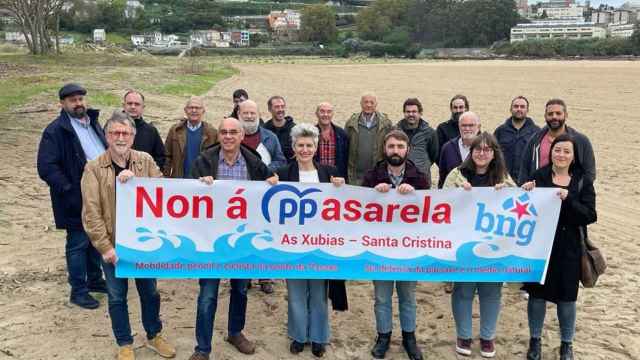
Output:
x=281 y=125
x=147 y=137
x=66 y=145
x=449 y=129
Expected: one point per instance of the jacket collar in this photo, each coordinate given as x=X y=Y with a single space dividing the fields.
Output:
x=65 y=120
x=105 y=160
x=527 y=122
x=422 y=124
x=410 y=169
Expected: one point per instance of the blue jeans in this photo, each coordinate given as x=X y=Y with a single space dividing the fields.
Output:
x=207 y=305
x=83 y=262
x=536 y=311
x=383 y=305
x=462 y=306
x=308 y=311
x=119 y=310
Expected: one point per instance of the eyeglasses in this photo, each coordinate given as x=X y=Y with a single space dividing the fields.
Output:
x=486 y=150
x=118 y=133
x=229 y=132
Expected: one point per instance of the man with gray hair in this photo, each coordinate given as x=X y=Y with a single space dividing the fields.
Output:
x=120 y=163
x=366 y=130
x=457 y=149
x=333 y=145
x=187 y=139
x=258 y=138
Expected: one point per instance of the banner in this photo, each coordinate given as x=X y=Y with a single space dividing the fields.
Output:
x=168 y=228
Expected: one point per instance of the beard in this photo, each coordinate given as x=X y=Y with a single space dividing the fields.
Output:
x=78 y=112
x=250 y=127
x=455 y=116
x=395 y=159
x=555 y=124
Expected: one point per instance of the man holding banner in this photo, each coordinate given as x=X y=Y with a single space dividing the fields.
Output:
x=229 y=160
x=396 y=172
x=98 y=215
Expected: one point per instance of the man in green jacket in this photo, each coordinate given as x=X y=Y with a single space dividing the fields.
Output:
x=366 y=130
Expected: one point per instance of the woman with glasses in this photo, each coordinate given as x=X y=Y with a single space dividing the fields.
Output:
x=483 y=167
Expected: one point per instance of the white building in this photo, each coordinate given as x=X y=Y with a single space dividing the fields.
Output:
x=620 y=30
x=554 y=11
x=556 y=30
x=99 y=36
x=15 y=36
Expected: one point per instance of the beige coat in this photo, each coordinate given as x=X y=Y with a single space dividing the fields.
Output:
x=456 y=179
x=351 y=127
x=175 y=143
x=99 y=195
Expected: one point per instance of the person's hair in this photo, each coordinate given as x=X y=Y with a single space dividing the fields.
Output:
x=271 y=99
x=556 y=102
x=324 y=103
x=120 y=117
x=518 y=98
x=368 y=94
x=304 y=130
x=129 y=92
x=497 y=170
x=240 y=93
x=395 y=134
x=575 y=164
x=412 y=102
x=461 y=97
x=195 y=99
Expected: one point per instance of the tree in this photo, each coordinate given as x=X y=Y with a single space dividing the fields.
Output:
x=36 y=19
x=318 y=23
x=635 y=39
x=377 y=20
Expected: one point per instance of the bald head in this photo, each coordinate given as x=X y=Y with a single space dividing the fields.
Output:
x=230 y=123
x=248 y=114
x=230 y=135
x=368 y=103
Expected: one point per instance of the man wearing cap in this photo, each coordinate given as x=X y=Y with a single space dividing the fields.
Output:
x=67 y=143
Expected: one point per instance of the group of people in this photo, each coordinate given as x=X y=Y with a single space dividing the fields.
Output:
x=80 y=161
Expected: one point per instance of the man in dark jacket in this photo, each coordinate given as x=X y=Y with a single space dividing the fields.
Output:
x=449 y=129
x=228 y=160
x=333 y=145
x=239 y=96
x=281 y=125
x=514 y=134
x=423 y=140
x=456 y=150
x=66 y=145
x=395 y=172
x=147 y=137
x=536 y=153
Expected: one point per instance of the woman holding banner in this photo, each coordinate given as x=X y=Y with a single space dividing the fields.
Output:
x=578 y=210
x=484 y=167
x=307 y=299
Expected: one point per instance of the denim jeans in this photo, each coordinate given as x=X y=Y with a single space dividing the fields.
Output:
x=383 y=306
x=83 y=262
x=462 y=306
x=119 y=310
x=536 y=311
x=308 y=311
x=207 y=305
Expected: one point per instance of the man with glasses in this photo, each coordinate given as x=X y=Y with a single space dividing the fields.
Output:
x=228 y=160
x=187 y=139
x=120 y=163
x=66 y=145
x=457 y=149
x=450 y=129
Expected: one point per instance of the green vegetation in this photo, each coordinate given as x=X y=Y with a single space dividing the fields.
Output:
x=318 y=24
x=195 y=84
x=18 y=89
x=562 y=47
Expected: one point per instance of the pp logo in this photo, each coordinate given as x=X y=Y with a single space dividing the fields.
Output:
x=288 y=207
x=516 y=221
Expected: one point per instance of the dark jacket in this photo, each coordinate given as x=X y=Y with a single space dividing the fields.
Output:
x=412 y=176
x=576 y=212
x=513 y=142
x=284 y=136
x=450 y=158
x=61 y=162
x=342 y=151
x=447 y=131
x=423 y=147
x=290 y=172
x=148 y=140
x=206 y=164
x=531 y=155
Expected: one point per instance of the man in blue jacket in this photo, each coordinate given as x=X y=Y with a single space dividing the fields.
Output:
x=66 y=145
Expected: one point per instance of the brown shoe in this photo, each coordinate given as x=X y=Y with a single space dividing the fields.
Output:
x=242 y=344
x=126 y=353
x=197 y=355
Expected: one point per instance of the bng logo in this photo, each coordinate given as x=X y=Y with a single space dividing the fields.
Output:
x=517 y=220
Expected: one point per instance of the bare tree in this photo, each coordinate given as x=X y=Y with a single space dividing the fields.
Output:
x=35 y=19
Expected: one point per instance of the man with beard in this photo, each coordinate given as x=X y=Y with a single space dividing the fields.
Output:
x=281 y=125
x=536 y=153
x=395 y=171
x=263 y=141
x=449 y=129
x=456 y=150
x=514 y=134
x=423 y=140
x=120 y=163
x=147 y=137
x=187 y=139
x=366 y=130
x=66 y=145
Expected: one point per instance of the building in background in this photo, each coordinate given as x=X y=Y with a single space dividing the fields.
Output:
x=544 y=30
